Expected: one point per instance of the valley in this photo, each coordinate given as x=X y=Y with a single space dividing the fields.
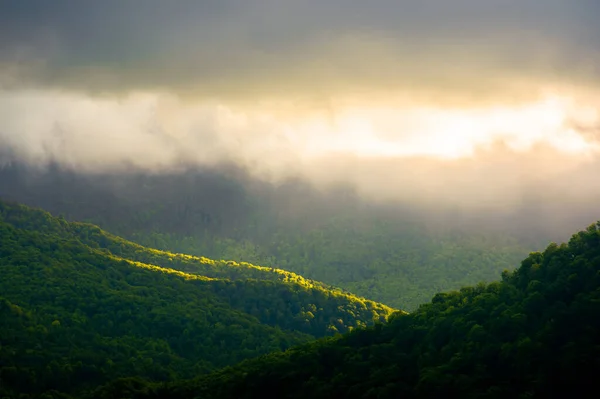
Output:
x=191 y=299
x=299 y=199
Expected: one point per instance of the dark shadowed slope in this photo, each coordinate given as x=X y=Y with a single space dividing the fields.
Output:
x=75 y=314
x=535 y=334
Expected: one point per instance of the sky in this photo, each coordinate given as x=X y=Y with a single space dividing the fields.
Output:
x=460 y=98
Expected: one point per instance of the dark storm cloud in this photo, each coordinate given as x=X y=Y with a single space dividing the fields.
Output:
x=234 y=47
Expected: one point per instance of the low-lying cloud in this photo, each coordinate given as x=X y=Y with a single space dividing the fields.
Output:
x=472 y=103
x=385 y=156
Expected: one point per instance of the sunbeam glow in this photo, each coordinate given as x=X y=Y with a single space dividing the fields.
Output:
x=447 y=133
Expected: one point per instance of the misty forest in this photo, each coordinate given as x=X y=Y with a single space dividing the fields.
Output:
x=299 y=199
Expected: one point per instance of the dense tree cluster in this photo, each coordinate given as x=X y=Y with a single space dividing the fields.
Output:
x=535 y=334
x=80 y=307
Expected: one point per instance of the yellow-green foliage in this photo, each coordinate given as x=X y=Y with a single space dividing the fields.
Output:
x=216 y=269
x=98 y=306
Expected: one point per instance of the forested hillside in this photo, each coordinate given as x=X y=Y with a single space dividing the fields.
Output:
x=535 y=334
x=399 y=254
x=80 y=307
x=299 y=199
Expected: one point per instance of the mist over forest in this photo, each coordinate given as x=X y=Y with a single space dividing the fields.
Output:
x=499 y=196
x=398 y=250
x=259 y=198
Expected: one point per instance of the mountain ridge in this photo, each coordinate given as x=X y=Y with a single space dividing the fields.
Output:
x=533 y=334
x=172 y=323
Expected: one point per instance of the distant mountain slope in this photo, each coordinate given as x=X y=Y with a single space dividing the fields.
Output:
x=28 y=218
x=535 y=334
x=398 y=254
x=74 y=314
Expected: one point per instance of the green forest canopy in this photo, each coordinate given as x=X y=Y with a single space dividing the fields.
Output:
x=81 y=307
x=534 y=334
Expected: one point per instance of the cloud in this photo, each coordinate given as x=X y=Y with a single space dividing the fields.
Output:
x=505 y=154
x=365 y=93
x=146 y=131
x=463 y=50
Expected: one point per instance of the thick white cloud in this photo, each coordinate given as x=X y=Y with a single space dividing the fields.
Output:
x=469 y=156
